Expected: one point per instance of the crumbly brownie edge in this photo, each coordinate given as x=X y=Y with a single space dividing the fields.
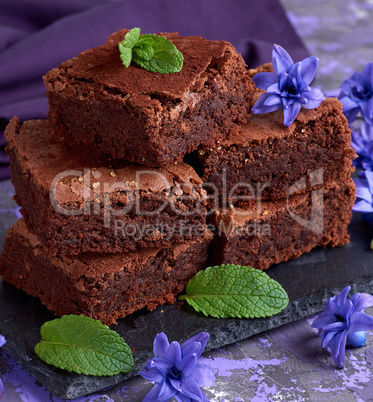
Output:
x=136 y=284
x=264 y=241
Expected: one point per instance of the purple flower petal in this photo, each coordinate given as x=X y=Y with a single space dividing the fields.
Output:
x=203 y=375
x=369 y=176
x=274 y=89
x=327 y=337
x=309 y=67
x=361 y=322
x=345 y=312
x=367 y=72
x=364 y=302
x=362 y=207
x=272 y=100
x=281 y=60
x=340 y=298
x=194 y=347
x=362 y=185
x=160 y=345
x=314 y=98
x=264 y=80
x=335 y=326
x=362 y=191
x=153 y=374
x=337 y=349
x=348 y=104
x=167 y=391
x=362 y=141
x=2 y=341
x=367 y=110
x=260 y=108
x=152 y=395
x=201 y=338
x=290 y=113
x=182 y=398
x=323 y=320
x=351 y=114
x=189 y=388
x=366 y=132
x=174 y=352
x=1 y=388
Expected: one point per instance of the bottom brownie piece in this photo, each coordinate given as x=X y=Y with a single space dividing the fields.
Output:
x=102 y=286
x=276 y=231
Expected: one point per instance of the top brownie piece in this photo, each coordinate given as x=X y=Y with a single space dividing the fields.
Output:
x=149 y=118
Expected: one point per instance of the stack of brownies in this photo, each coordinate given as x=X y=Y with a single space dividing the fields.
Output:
x=138 y=180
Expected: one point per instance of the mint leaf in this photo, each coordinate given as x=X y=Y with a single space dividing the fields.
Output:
x=152 y=52
x=125 y=47
x=145 y=54
x=144 y=41
x=126 y=56
x=235 y=291
x=85 y=346
x=130 y=38
x=166 y=58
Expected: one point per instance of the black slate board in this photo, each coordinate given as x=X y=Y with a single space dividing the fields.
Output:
x=309 y=281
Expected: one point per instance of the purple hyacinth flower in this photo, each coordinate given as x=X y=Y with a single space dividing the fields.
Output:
x=344 y=321
x=364 y=192
x=2 y=342
x=288 y=86
x=176 y=372
x=357 y=95
x=362 y=141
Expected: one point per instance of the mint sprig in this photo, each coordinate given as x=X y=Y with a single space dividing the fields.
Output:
x=85 y=346
x=152 y=52
x=235 y=291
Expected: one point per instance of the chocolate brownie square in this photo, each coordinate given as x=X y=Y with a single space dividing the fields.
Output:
x=270 y=232
x=102 y=286
x=144 y=117
x=266 y=160
x=77 y=203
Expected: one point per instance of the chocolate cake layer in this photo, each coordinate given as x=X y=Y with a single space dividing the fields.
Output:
x=271 y=232
x=75 y=205
x=105 y=287
x=149 y=118
x=267 y=160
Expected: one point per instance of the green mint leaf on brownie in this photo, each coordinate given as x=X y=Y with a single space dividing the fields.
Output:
x=152 y=52
x=130 y=38
x=144 y=42
x=125 y=47
x=166 y=58
x=126 y=56
x=143 y=54
x=85 y=346
x=235 y=291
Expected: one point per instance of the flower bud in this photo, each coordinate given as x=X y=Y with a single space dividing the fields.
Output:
x=357 y=339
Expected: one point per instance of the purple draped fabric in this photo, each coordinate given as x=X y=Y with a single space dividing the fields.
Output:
x=37 y=35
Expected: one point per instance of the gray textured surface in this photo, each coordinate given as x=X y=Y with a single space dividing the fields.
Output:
x=285 y=363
